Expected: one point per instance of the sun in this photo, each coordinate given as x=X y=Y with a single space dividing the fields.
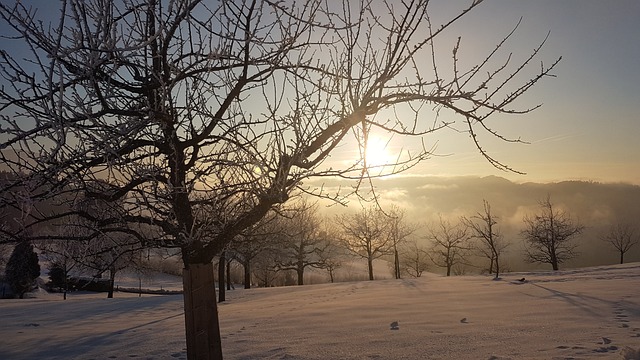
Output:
x=376 y=152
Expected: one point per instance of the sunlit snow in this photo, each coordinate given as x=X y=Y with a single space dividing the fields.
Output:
x=572 y=314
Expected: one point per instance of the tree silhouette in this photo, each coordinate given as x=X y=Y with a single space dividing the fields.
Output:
x=548 y=236
x=622 y=237
x=449 y=244
x=399 y=232
x=415 y=259
x=483 y=227
x=302 y=241
x=232 y=103
x=22 y=268
x=366 y=235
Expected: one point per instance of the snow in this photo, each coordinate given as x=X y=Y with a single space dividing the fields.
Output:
x=574 y=314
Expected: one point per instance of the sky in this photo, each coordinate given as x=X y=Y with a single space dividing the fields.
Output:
x=588 y=125
x=587 y=313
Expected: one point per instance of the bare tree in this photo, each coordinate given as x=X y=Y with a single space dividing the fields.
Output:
x=449 y=244
x=266 y=271
x=548 y=236
x=483 y=227
x=399 y=231
x=334 y=254
x=63 y=254
x=234 y=103
x=415 y=259
x=622 y=237
x=222 y=264
x=366 y=235
x=253 y=241
x=303 y=242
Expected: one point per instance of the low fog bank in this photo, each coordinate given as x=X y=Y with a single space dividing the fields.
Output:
x=595 y=205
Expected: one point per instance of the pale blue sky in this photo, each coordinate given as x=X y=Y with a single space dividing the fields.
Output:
x=588 y=126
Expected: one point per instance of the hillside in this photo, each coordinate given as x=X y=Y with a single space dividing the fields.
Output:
x=572 y=314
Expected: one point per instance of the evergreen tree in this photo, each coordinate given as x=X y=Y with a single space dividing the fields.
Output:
x=22 y=269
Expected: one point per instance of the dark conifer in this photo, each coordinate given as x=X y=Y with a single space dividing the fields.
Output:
x=22 y=268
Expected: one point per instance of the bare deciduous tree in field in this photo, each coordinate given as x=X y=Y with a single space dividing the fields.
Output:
x=449 y=244
x=484 y=228
x=548 y=235
x=622 y=237
x=233 y=103
x=414 y=259
x=366 y=235
x=302 y=243
x=399 y=231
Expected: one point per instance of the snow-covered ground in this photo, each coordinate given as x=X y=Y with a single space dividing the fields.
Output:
x=573 y=314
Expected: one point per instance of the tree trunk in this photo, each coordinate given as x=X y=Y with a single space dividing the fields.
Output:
x=221 y=288
x=554 y=261
x=229 y=275
x=247 y=274
x=370 y=263
x=621 y=257
x=201 y=313
x=66 y=283
x=112 y=278
x=396 y=263
x=300 y=276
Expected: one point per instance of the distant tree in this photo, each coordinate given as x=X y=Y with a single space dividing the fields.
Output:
x=365 y=234
x=113 y=247
x=61 y=266
x=265 y=270
x=230 y=258
x=449 y=244
x=483 y=227
x=399 y=231
x=63 y=255
x=222 y=264
x=22 y=268
x=110 y=254
x=548 y=236
x=334 y=254
x=622 y=237
x=302 y=241
x=414 y=259
x=58 y=277
x=5 y=252
x=252 y=242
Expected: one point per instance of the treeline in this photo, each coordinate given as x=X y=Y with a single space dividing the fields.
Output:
x=300 y=239
x=296 y=239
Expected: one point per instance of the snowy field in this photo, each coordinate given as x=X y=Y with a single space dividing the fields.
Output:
x=574 y=314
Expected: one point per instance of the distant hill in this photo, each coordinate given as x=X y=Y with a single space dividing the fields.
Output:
x=595 y=205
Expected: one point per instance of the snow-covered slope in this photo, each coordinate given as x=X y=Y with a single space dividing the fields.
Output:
x=573 y=314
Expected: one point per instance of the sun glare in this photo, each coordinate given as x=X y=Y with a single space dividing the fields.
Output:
x=377 y=152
